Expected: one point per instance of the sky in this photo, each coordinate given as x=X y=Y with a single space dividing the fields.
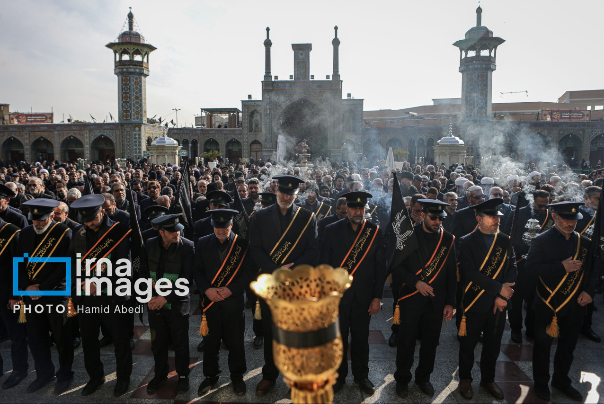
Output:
x=393 y=54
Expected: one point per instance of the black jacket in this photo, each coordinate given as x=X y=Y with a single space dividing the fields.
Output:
x=369 y=278
x=544 y=260
x=202 y=228
x=178 y=260
x=72 y=224
x=126 y=205
x=6 y=261
x=323 y=223
x=121 y=216
x=14 y=216
x=472 y=251
x=207 y=264
x=52 y=275
x=144 y=204
x=265 y=232
x=464 y=222
x=444 y=284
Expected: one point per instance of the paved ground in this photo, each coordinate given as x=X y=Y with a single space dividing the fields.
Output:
x=514 y=372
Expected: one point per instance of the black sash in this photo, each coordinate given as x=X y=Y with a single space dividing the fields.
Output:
x=360 y=247
x=430 y=271
x=569 y=285
x=7 y=233
x=491 y=267
x=292 y=235
x=589 y=224
x=229 y=267
x=46 y=248
x=548 y=222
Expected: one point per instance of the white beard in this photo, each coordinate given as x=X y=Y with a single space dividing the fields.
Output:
x=42 y=231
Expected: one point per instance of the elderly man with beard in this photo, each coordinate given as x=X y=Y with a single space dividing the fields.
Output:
x=363 y=298
x=36 y=188
x=487 y=275
x=46 y=238
x=564 y=287
x=282 y=235
x=100 y=237
x=61 y=216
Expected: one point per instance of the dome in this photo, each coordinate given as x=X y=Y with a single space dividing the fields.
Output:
x=131 y=36
x=479 y=32
x=450 y=140
x=164 y=141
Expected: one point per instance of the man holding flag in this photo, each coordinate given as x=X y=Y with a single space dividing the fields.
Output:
x=426 y=298
x=368 y=267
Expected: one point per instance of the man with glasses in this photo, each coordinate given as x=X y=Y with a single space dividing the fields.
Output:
x=61 y=216
x=153 y=191
x=427 y=298
x=464 y=221
x=118 y=190
x=36 y=189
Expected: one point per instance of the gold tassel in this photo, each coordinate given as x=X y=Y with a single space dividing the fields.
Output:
x=22 y=318
x=71 y=310
x=462 y=327
x=396 y=319
x=389 y=278
x=257 y=312
x=552 y=329
x=203 y=328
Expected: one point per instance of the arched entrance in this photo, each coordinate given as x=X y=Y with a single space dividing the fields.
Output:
x=102 y=149
x=13 y=150
x=211 y=145
x=412 y=151
x=71 y=149
x=571 y=148
x=234 y=150
x=421 y=149
x=255 y=122
x=194 y=149
x=304 y=120
x=256 y=150
x=42 y=149
x=372 y=150
x=395 y=143
x=597 y=150
x=430 y=151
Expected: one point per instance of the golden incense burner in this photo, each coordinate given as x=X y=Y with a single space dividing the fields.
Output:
x=307 y=345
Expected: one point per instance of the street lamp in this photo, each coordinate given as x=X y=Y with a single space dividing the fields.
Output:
x=176 y=110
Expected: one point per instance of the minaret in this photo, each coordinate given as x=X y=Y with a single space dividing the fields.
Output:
x=131 y=59
x=267 y=56
x=336 y=56
x=477 y=53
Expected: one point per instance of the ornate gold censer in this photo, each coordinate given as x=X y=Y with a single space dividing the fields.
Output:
x=307 y=345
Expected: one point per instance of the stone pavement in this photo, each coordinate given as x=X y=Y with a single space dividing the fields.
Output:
x=514 y=371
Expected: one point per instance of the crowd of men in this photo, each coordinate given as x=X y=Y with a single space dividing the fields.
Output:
x=216 y=229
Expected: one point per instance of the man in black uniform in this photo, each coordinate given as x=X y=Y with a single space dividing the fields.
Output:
x=100 y=237
x=464 y=220
x=16 y=332
x=363 y=298
x=222 y=268
x=487 y=275
x=525 y=284
x=203 y=227
x=340 y=213
x=153 y=212
x=429 y=276
x=8 y=213
x=282 y=235
x=557 y=258
x=168 y=259
x=585 y=227
x=46 y=238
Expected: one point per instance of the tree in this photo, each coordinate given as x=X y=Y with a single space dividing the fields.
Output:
x=400 y=154
x=211 y=155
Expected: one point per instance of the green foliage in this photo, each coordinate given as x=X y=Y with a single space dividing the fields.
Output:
x=400 y=153
x=211 y=155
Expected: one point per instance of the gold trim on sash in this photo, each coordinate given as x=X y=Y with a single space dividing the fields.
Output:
x=299 y=237
x=98 y=251
x=589 y=224
x=286 y=230
x=358 y=246
x=40 y=251
x=2 y=244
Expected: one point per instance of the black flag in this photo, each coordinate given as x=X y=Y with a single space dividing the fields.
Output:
x=111 y=116
x=136 y=240
x=241 y=219
x=401 y=238
x=87 y=186
x=183 y=197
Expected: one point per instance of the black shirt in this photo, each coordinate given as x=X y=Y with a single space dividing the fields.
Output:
x=285 y=220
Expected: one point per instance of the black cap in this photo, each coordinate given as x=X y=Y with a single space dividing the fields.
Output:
x=567 y=210
x=489 y=207
x=88 y=206
x=288 y=184
x=357 y=199
x=41 y=208
x=219 y=197
x=267 y=198
x=434 y=207
x=221 y=218
x=155 y=211
x=6 y=192
x=168 y=222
